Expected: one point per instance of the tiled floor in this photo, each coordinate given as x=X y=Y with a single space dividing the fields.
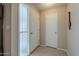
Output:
x=45 y=51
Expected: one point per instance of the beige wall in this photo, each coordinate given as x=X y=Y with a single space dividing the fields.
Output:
x=73 y=34
x=62 y=27
x=10 y=29
x=14 y=29
x=7 y=29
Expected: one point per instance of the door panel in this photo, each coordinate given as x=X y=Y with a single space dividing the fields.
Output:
x=51 y=30
x=34 y=29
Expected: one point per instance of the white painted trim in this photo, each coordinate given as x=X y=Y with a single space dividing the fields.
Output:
x=60 y=49
x=33 y=50
x=43 y=45
x=68 y=53
x=66 y=50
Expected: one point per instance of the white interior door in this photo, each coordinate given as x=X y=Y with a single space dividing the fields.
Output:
x=51 y=30
x=34 y=29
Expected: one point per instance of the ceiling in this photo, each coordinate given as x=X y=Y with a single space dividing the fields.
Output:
x=43 y=6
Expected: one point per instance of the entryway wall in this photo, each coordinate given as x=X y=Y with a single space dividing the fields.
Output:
x=7 y=30
x=62 y=27
x=73 y=34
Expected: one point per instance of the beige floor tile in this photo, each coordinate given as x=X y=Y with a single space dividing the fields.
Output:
x=46 y=51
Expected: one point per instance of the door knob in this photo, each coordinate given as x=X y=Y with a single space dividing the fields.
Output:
x=31 y=33
x=55 y=32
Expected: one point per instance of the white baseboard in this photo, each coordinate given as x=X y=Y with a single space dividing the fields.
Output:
x=43 y=45
x=68 y=53
x=33 y=50
x=65 y=51
x=60 y=49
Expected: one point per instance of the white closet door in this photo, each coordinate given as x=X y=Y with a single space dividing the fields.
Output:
x=34 y=29
x=51 y=30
